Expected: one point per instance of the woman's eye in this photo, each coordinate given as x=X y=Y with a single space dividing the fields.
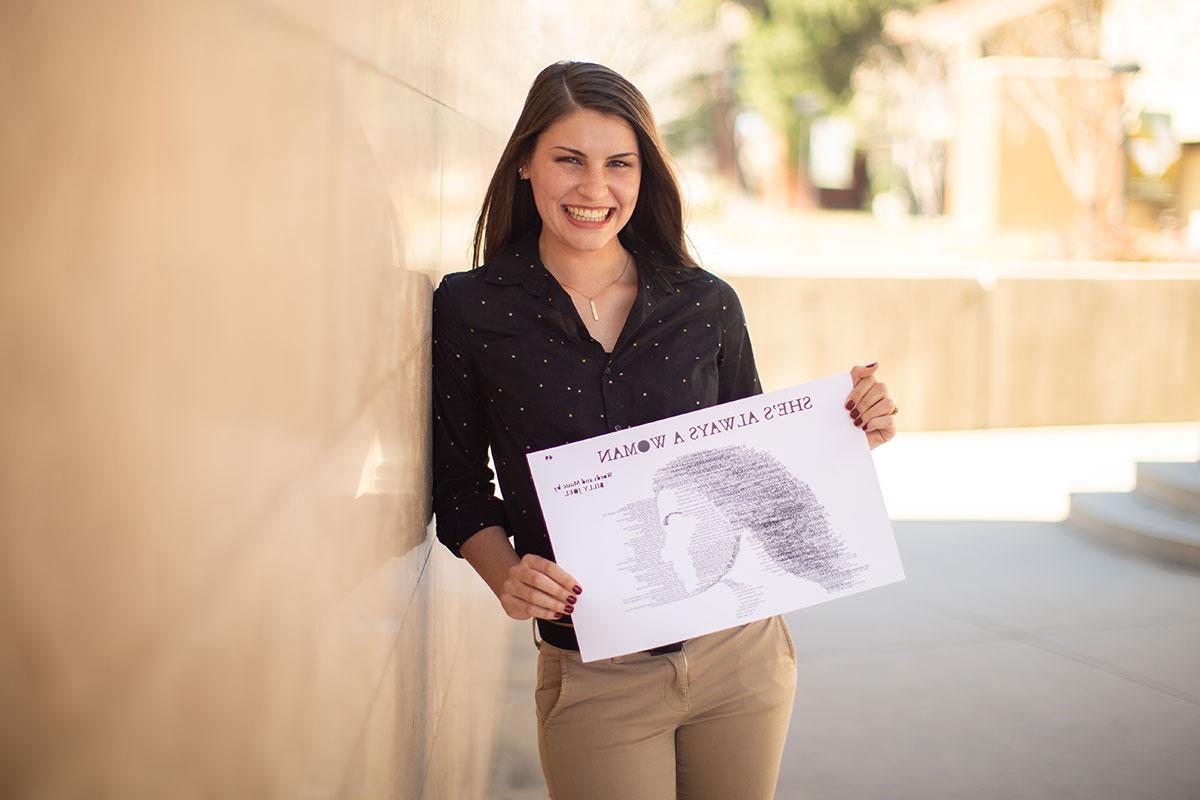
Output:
x=575 y=160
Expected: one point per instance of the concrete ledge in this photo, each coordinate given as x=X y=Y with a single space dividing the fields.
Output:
x=1176 y=484
x=1139 y=523
x=1004 y=353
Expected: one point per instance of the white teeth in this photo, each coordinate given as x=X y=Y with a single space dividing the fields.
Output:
x=587 y=215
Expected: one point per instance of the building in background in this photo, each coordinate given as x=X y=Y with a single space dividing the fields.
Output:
x=1037 y=131
x=1066 y=114
x=1163 y=38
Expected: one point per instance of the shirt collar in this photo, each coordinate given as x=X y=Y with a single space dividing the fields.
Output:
x=519 y=264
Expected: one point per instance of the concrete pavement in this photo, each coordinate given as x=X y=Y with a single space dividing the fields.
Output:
x=1017 y=660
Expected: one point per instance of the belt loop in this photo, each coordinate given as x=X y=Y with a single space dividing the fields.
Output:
x=536 y=643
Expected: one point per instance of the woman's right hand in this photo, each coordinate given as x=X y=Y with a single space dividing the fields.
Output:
x=537 y=587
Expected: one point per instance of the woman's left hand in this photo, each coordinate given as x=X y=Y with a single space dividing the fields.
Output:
x=870 y=406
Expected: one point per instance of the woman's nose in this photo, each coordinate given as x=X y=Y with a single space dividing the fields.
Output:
x=593 y=184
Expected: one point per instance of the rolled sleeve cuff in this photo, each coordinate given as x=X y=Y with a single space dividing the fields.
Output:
x=457 y=523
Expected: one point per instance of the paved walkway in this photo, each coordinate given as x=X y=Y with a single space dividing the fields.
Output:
x=1017 y=660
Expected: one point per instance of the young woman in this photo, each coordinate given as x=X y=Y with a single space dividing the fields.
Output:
x=587 y=316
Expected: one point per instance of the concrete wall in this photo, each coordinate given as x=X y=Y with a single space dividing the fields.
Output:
x=220 y=225
x=1027 y=351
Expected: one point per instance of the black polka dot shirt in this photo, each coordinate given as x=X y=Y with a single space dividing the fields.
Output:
x=515 y=369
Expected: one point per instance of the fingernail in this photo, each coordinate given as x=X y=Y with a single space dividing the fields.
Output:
x=569 y=609
x=558 y=616
x=577 y=590
x=873 y=363
x=849 y=404
x=857 y=422
x=570 y=599
x=854 y=413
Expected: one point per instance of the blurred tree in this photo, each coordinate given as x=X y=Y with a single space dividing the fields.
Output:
x=799 y=58
x=904 y=110
x=708 y=93
x=1075 y=99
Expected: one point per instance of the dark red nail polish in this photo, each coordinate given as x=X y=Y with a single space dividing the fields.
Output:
x=854 y=413
x=849 y=404
x=571 y=600
x=558 y=616
x=857 y=422
x=577 y=590
x=570 y=609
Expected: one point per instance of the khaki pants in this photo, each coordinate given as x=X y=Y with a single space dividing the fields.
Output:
x=706 y=722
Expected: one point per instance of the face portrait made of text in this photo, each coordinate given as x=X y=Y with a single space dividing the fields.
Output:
x=738 y=517
x=698 y=540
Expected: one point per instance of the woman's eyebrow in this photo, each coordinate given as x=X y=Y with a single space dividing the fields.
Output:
x=581 y=153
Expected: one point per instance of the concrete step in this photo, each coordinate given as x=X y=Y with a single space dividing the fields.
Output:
x=1141 y=523
x=1176 y=484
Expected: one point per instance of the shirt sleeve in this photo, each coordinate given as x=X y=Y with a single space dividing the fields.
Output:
x=737 y=374
x=464 y=499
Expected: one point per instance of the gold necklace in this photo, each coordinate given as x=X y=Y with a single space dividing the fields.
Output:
x=592 y=299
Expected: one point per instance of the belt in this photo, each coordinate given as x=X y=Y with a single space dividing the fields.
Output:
x=562 y=635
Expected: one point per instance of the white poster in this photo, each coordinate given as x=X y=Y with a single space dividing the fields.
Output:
x=717 y=517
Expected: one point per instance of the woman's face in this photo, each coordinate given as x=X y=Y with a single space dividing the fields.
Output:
x=698 y=540
x=585 y=172
x=679 y=533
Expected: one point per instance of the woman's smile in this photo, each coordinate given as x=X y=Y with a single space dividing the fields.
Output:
x=589 y=217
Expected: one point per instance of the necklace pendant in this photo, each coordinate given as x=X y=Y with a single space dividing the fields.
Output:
x=595 y=316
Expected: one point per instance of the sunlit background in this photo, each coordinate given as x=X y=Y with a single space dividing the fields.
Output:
x=220 y=226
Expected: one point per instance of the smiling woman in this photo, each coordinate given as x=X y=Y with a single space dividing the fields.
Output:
x=589 y=316
x=582 y=190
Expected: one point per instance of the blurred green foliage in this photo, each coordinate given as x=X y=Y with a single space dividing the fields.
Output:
x=702 y=90
x=799 y=56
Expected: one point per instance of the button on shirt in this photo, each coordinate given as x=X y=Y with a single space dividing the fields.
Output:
x=514 y=368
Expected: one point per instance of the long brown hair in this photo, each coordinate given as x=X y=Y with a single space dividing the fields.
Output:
x=509 y=212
